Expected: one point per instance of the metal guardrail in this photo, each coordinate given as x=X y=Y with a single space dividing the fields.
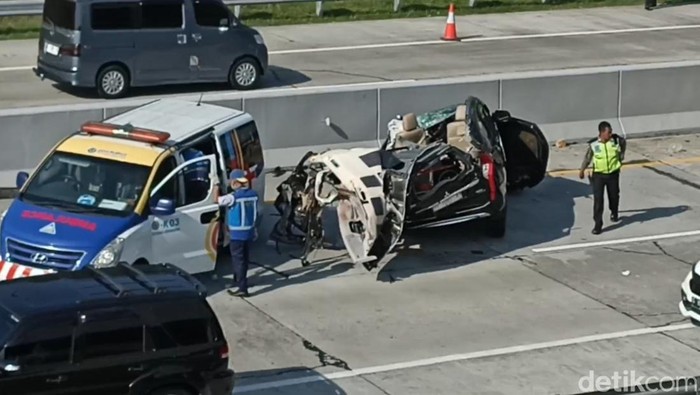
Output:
x=35 y=7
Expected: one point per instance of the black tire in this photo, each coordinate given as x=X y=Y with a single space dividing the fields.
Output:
x=171 y=391
x=244 y=74
x=112 y=82
x=496 y=226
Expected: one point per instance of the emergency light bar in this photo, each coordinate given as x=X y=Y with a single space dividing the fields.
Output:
x=128 y=131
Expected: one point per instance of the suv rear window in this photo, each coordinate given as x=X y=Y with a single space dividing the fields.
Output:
x=60 y=14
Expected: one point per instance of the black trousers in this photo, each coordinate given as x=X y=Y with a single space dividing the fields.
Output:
x=240 y=257
x=601 y=182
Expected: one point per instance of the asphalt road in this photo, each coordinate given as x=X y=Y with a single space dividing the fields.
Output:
x=455 y=312
x=377 y=51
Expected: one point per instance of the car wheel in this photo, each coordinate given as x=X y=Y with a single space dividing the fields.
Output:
x=112 y=82
x=244 y=74
x=497 y=225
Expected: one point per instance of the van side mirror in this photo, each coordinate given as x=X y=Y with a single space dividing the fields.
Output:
x=22 y=177
x=162 y=207
x=501 y=116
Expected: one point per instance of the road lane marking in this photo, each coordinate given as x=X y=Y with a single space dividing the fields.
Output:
x=460 y=357
x=650 y=163
x=618 y=241
x=464 y=40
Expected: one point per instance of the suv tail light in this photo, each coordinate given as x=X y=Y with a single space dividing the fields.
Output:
x=223 y=351
x=488 y=170
x=70 y=50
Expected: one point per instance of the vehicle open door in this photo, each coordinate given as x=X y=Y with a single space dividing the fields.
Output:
x=527 y=150
x=183 y=213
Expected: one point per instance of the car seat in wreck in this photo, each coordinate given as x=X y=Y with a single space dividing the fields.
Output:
x=458 y=132
x=411 y=133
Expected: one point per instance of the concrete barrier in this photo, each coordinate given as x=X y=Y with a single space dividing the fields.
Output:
x=567 y=104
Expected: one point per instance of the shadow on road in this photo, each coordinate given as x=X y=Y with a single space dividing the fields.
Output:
x=266 y=271
x=313 y=383
x=277 y=77
x=536 y=216
x=539 y=215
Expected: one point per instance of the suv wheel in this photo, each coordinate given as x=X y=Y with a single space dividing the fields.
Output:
x=244 y=74
x=112 y=82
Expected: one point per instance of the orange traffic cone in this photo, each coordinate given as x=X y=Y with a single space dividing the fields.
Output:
x=450 y=27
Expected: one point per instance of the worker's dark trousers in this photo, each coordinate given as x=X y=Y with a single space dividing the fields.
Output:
x=601 y=182
x=240 y=257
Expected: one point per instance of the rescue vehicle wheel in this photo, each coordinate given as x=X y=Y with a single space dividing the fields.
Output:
x=244 y=74
x=112 y=82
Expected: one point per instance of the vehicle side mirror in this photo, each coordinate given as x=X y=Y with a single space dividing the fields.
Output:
x=501 y=115
x=162 y=207
x=22 y=177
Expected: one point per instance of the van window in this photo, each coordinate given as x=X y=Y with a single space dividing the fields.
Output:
x=189 y=185
x=60 y=14
x=210 y=13
x=250 y=147
x=229 y=152
x=171 y=189
x=114 y=16
x=162 y=15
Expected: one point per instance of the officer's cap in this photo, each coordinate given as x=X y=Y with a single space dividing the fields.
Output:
x=238 y=175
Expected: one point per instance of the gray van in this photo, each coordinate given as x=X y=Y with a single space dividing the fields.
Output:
x=113 y=45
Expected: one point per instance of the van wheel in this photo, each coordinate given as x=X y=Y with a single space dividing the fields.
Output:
x=112 y=82
x=244 y=74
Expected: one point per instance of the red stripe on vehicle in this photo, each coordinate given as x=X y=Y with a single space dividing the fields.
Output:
x=11 y=273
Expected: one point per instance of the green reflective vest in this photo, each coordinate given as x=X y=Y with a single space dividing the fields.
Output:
x=606 y=156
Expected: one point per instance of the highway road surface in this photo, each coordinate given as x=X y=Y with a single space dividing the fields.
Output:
x=379 y=51
x=454 y=312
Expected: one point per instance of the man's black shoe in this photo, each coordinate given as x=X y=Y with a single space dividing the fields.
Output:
x=238 y=293
x=614 y=217
x=595 y=231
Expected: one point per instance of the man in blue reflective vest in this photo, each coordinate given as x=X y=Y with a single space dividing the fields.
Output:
x=241 y=216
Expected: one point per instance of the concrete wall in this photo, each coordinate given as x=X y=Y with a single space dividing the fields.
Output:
x=566 y=104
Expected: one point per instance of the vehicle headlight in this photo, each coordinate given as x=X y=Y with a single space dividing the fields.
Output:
x=259 y=39
x=695 y=267
x=109 y=256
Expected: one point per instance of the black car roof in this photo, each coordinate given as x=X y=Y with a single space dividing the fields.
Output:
x=31 y=296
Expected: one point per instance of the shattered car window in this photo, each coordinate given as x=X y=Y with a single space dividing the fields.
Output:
x=432 y=118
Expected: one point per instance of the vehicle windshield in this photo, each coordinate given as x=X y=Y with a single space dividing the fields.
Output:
x=85 y=184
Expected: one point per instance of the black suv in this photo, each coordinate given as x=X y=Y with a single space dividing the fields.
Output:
x=113 y=331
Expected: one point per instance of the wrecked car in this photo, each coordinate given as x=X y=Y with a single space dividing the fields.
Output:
x=447 y=166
